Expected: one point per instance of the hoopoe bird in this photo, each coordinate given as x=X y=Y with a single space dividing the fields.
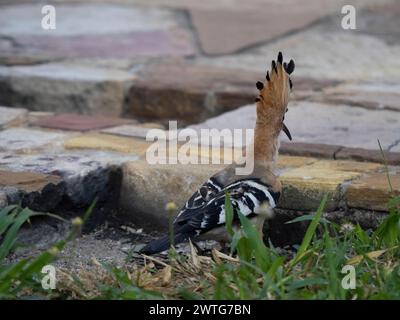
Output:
x=254 y=195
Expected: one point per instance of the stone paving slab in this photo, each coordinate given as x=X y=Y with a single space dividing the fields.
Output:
x=27 y=140
x=65 y=87
x=192 y=94
x=195 y=93
x=146 y=189
x=34 y=190
x=27 y=181
x=396 y=147
x=86 y=173
x=99 y=141
x=129 y=31
x=373 y=191
x=76 y=122
x=136 y=131
x=357 y=154
x=152 y=43
x=322 y=124
x=381 y=95
x=305 y=186
x=381 y=20
x=227 y=30
x=339 y=59
x=12 y=116
x=127 y=19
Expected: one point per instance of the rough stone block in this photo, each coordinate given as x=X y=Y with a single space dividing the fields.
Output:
x=100 y=141
x=359 y=154
x=26 y=140
x=65 y=88
x=146 y=189
x=372 y=191
x=304 y=187
x=12 y=116
x=34 y=190
x=242 y=28
x=191 y=95
x=77 y=122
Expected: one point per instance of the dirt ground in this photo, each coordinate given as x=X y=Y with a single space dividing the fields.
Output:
x=115 y=242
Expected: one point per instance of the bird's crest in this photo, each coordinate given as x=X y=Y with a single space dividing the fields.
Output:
x=274 y=93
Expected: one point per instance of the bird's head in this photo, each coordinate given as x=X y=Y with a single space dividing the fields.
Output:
x=273 y=98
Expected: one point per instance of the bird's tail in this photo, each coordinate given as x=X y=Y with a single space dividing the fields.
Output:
x=163 y=243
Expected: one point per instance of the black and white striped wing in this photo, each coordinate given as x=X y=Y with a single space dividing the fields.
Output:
x=206 y=192
x=247 y=196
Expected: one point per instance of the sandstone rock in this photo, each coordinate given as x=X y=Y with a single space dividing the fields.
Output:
x=372 y=191
x=11 y=116
x=129 y=31
x=330 y=63
x=223 y=31
x=77 y=122
x=34 y=190
x=320 y=123
x=133 y=130
x=381 y=20
x=304 y=187
x=87 y=174
x=27 y=140
x=285 y=163
x=65 y=88
x=100 y=141
x=146 y=189
x=381 y=95
x=396 y=152
x=358 y=154
x=317 y=150
x=191 y=95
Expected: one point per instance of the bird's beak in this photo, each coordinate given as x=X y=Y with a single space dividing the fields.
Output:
x=286 y=130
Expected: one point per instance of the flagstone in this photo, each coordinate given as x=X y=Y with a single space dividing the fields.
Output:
x=374 y=95
x=227 y=30
x=319 y=123
x=194 y=92
x=12 y=116
x=34 y=190
x=146 y=189
x=77 y=122
x=65 y=88
x=26 y=181
x=86 y=173
x=27 y=140
x=304 y=187
x=133 y=130
x=110 y=30
x=372 y=191
x=100 y=141
x=358 y=154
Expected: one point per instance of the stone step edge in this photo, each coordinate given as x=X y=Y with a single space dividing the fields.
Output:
x=338 y=152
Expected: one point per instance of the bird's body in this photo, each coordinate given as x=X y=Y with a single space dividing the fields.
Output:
x=255 y=194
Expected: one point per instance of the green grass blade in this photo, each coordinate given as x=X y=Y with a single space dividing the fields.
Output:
x=11 y=234
x=228 y=214
x=310 y=232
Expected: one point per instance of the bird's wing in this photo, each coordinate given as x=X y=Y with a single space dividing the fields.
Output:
x=247 y=195
x=207 y=191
